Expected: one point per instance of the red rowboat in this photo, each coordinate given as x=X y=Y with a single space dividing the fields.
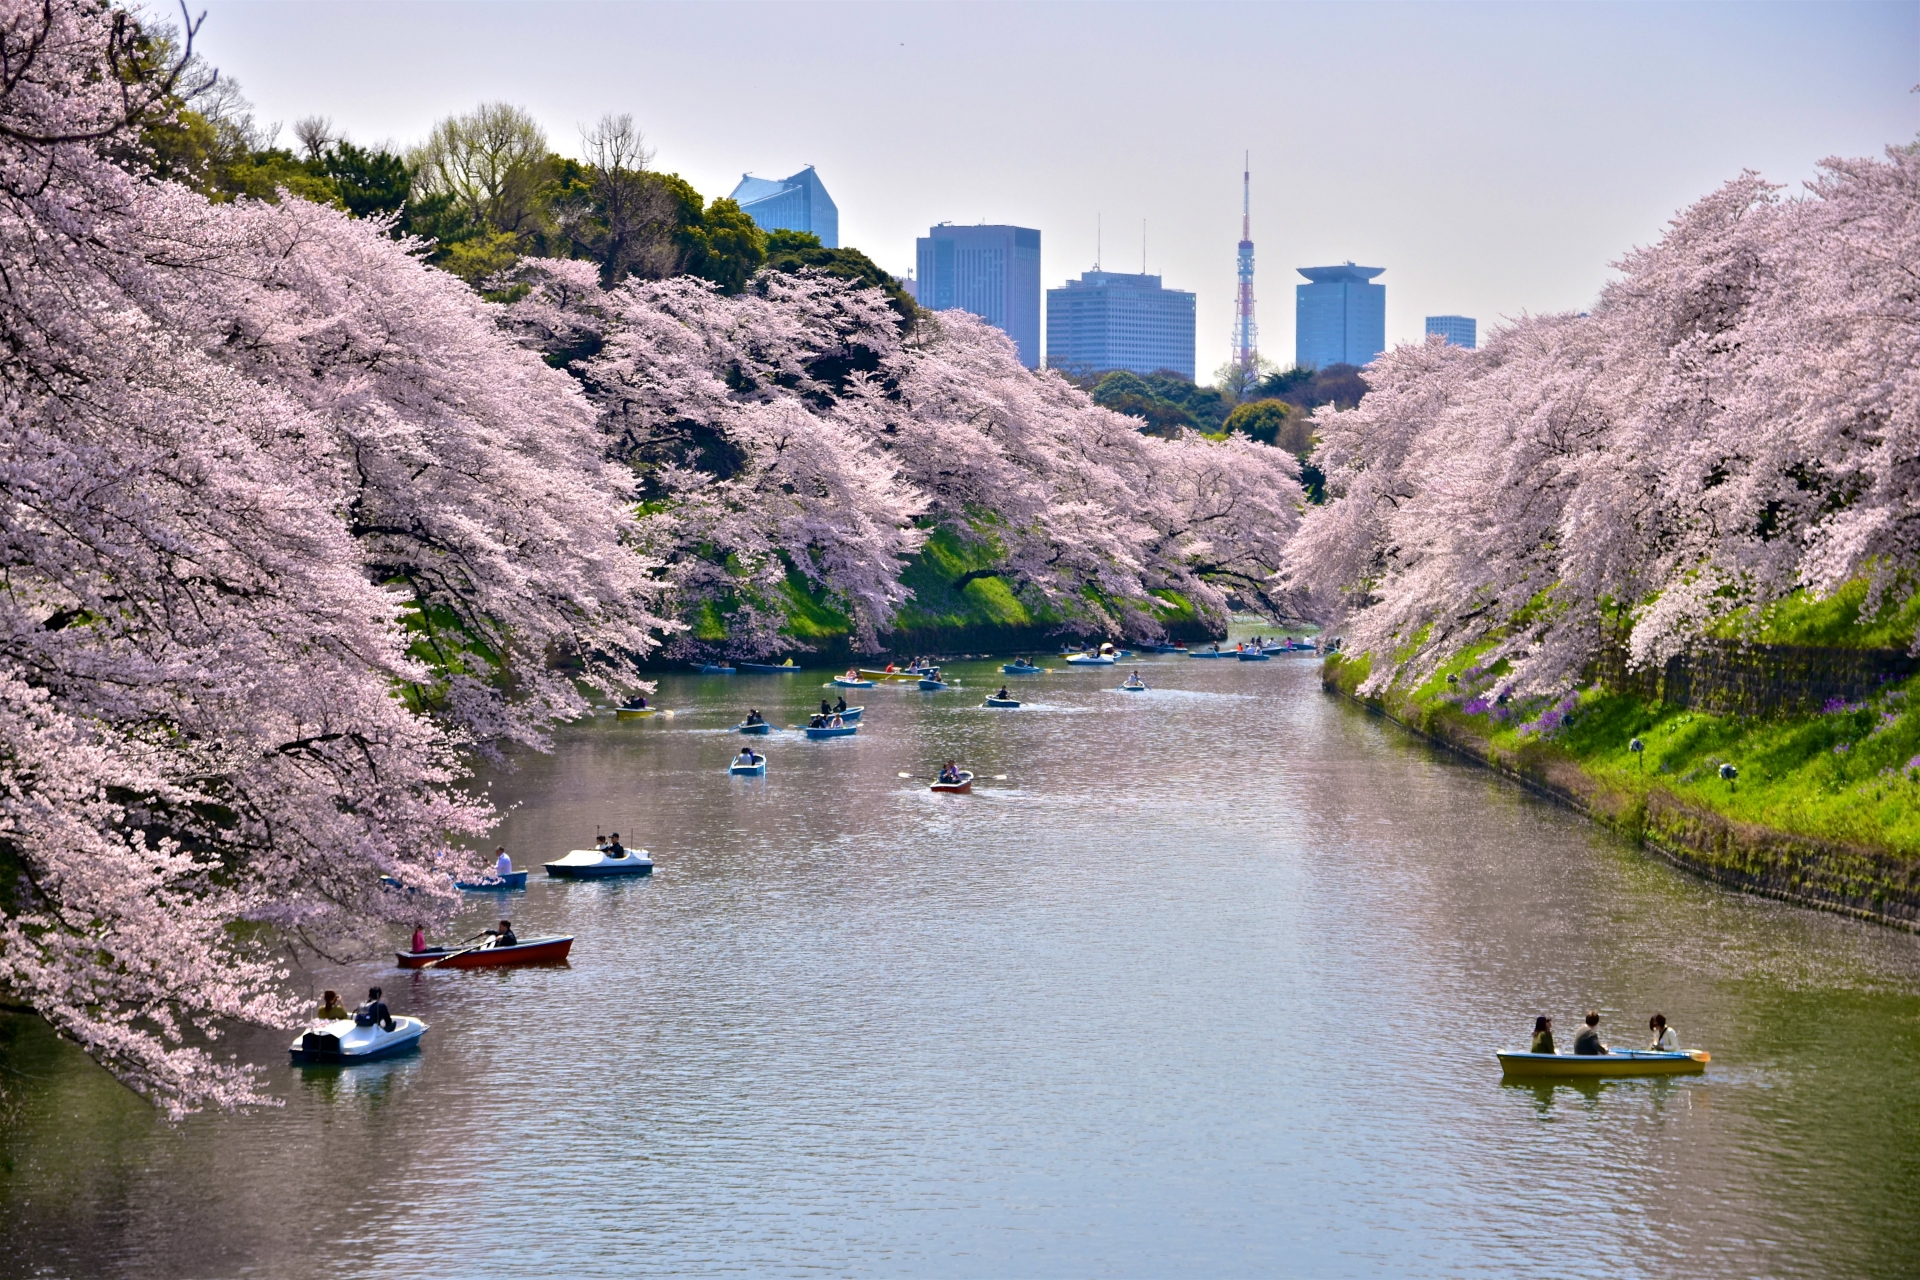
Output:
x=963 y=785
x=529 y=951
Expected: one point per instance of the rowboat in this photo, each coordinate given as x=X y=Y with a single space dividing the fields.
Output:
x=1129 y=686
x=758 y=769
x=891 y=675
x=1615 y=1062
x=346 y=1043
x=596 y=864
x=1251 y=655
x=1020 y=669
x=1164 y=648
x=851 y=714
x=498 y=884
x=769 y=668
x=960 y=788
x=1090 y=659
x=528 y=951
x=1209 y=653
x=633 y=713
x=931 y=685
x=711 y=668
x=1003 y=702
x=759 y=727
x=841 y=682
x=844 y=731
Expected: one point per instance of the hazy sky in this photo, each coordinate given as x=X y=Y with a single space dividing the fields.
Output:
x=1493 y=158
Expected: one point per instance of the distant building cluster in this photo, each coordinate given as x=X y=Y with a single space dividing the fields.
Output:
x=1116 y=320
x=798 y=203
x=1105 y=320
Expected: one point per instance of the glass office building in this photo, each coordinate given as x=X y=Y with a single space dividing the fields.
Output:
x=992 y=271
x=1115 y=320
x=1459 y=331
x=1339 y=318
x=799 y=203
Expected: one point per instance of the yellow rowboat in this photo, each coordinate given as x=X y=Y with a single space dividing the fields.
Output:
x=889 y=675
x=1618 y=1062
x=633 y=713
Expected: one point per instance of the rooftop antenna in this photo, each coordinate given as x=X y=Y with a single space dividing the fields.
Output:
x=1143 y=246
x=1245 y=333
x=1096 y=242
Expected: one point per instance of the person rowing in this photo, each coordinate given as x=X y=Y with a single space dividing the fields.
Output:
x=1134 y=679
x=1003 y=695
x=816 y=722
x=949 y=772
x=614 y=849
x=839 y=705
x=638 y=702
x=747 y=757
x=826 y=708
x=1586 y=1042
x=754 y=716
x=501 y=937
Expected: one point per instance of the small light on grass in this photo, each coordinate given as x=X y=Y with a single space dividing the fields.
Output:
x=1727 y=774
x=1639 y=752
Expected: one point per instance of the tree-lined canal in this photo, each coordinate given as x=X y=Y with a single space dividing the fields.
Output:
x=1209 y=984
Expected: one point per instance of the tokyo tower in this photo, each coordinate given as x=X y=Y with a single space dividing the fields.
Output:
x=1246 y=343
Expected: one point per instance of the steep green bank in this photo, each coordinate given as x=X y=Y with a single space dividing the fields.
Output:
x=1820 y=807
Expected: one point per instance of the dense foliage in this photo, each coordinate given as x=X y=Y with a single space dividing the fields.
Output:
x=1737 y=420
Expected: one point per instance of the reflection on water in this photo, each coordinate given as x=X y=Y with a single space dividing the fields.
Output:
x=1208 y=984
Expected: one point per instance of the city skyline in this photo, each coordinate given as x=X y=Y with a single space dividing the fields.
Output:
x=1513 y=202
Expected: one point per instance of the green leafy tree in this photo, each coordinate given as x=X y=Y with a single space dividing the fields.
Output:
x=366 y=182
x=793 y=251
x=1126 y=392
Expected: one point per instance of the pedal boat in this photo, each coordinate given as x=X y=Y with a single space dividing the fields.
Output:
x=1616 y=1062
x=594 y=864
x=1091 y=659
x=527 y=951
x=763 y=727
x=346 y=1043
x=1003 y=702
x=960 y=788
x=494 y=884
x=758 y=769
x=1020 y=669
x=844 y=731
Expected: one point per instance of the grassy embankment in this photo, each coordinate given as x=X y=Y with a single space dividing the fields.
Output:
x=1823 y=807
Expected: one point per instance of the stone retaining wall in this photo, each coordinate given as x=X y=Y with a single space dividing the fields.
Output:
x=1727 y=677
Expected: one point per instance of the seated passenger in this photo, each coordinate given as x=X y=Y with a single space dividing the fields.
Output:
x=502 y=863
x=949 y=772
x=374 y=1012
x=614 y=848
x=638 y=702
x=1542 y=1035
x=1663 y=1037
x=840 y=704
x=419 y=938
x=826 y=708
x=1586 y=1041
x=746 y=757
x=817 y=722
x=1003 y=695
x=331 y=1010
x=836 y=723
x=754 y=716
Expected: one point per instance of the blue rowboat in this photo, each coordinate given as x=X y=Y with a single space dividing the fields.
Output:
x=851 y=714
x=841 y=682
x=1209 y=653
x=1164 y=648
x=711 y=668
x=596 y=864
x=1020 y=669
x=770 y=668
x=758 y=769
x=845 y=731
x=932 y=686
x=762 y=728
x=1003 y=702
x=1251 y=655
x=498 y=884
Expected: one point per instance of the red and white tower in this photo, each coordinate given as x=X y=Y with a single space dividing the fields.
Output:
x=1246 y=344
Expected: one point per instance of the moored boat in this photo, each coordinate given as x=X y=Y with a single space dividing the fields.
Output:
x=960 y=787
x=551 y=950
x=1615 y=1062
x=1003 y=702
x=823 y=731
x=595 y=864
x=345 y=1042
x=711 y=668
x=497 y=884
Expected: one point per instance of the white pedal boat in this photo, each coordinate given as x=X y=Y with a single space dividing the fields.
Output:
x=345 y=1042
x=590 y=864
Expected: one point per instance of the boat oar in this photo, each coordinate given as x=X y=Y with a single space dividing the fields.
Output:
x=440 y=960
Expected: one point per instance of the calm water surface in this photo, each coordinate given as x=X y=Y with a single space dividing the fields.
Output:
x=1209 y=984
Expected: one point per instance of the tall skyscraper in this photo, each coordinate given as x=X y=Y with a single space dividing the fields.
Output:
x=1459 y=331
x=1246 y=335
x=1339 y=318
x=992 y=271
x=1117 y=320
x=799 y=203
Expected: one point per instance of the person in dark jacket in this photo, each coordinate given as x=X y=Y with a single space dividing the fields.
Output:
x=1587 y=1042
x=1542 y=1035
x=504 y=935
x=374 y=1012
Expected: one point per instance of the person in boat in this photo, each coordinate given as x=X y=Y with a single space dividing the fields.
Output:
x=747 y=757
x=331 y=1010
x=419 y=938
x=1003 y=695
x=836 y=723
x=502 y=862
x=614 y=848
x=949 y=772
x=504 y=936
x=638 y=702
x=1542 y=1036
x=754 y=716
x=374 y=1012
x=853 y=673
x=1587 y=1041
x=826 y=708
x=600 y=843
x=839 y=705
x=816 y=722
x=1663 y=1037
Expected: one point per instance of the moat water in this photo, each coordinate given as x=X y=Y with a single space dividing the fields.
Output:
x=1208 y=983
